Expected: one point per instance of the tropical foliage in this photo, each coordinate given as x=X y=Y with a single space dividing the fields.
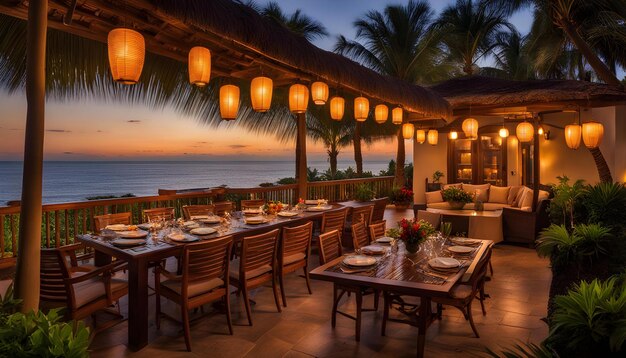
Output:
x=566 y=203
x=402 y=195
x=565 y=248
x=364 y=192
x=454 y=194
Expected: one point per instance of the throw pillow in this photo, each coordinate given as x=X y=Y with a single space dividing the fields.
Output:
x=527 y=198
x=455 y=185
x=470 y=188
x=499 y=194
x=433 y=197
x=514 y=195
x=481 y=194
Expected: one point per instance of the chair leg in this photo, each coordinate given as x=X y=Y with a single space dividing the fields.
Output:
x=439 y=311
x=282 y=288
x=275 y=288
x=490 y=268
x=471 y=318
x=306 y=277
x=336 y=298
x=386 y=304
x=376 y=294
x=246 y=301
x=228 y=317
x=185 y=315
x=359 y=306
x=157 y=290
x=481 y=297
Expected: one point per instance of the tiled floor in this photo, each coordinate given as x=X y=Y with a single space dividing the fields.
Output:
x=519 y=292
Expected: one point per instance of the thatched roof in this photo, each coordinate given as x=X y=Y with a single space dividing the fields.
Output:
x=487 y=92
x=243 y=44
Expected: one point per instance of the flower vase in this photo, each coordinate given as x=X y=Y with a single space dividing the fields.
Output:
x=402 y=206
x=456 y=205
x=412 y=247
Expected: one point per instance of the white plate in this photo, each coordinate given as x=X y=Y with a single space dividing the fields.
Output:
x=465 y=241
x=145 y=226
x=287 y=214
x=117 y=227
x=199 y=217
x=181 y=238
x=311 y=202
x=460 y=249
x=359 y=260
x=133 y=234
x=444 y=262
x=373 y=249
x=128 y=242
x=319 y=208
x=203 y=231
x=211 y=220
x=253 y=220
x=384 y=240
x=251 y=211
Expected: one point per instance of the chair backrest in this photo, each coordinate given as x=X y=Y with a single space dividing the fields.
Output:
x=258 y=250
x=359 y=235
x=222 y=207
x=362 y=214
x=295 y=240
x=378 y=230
x=330 y=246
x=101 y=221
x=480 y=271
x=252 y=204
x=159 y=213
x=197 y=210
x=432 y=218
x=53 y=272
x=205 y=261
x=334 y=220
x=378 y=214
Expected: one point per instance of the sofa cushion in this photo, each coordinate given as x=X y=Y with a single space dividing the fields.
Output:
x=526 y=199
x=499 y=194
x=543 y=195
x=494 y=206
x=434 y=197
x=482 y=195
x=514 y=193
x=454 y=185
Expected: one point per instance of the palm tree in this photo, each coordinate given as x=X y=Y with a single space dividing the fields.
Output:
x=297 y=22
x=398 y=42
x=510 y=57
x=470 y=31
x=334 y=135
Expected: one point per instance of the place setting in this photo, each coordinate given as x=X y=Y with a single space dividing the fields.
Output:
x=357 y=263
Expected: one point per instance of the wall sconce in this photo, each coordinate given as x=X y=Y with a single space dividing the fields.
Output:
x=544 y=133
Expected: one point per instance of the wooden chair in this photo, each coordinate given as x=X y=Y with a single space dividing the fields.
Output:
x=102 y=221
x=378 y=230
x=359 y=235
x=204 y=279
x=359 y=214
x=82 y=292
x=252 y=204
x=190 y=211
x=158 y=213
x=334 y=220
x=432 y=218
x=294 y=251
x=378 y=213
x=256 y=266
x=223 y=207
x=330 y=249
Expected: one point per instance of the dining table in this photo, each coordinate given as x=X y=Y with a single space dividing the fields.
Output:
x=401 y=272
x=157 y=247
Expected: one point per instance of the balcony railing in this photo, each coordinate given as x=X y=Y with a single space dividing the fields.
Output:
x=62 y=222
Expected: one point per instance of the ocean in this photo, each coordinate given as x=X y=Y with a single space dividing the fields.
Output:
x=67 y=181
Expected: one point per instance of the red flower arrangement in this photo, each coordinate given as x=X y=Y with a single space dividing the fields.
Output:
x=402 y=195
x=413 y=232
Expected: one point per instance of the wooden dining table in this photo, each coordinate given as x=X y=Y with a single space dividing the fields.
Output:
x=157 y=248
x=404 y=273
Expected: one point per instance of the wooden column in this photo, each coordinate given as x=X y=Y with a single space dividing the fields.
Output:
x=536 y=166
x=301 y=173
x=27 y=272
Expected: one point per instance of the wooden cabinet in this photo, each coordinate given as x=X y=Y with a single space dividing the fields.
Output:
x=478 y=161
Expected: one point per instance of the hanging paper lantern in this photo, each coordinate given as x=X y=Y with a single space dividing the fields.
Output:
x=420 y=136
x=525 y=132
x=319 y=92
x=381 y=113
x=453 y=135
x=199 y=66
x=503 y=132
x=396 y=115
x=127 y=50
x=470 y=128
x=407 y=130
x=229 y=101
x=298 y=98
x=592 y=134
x=433 y=137
x=261 y=93
x=361 y=108
x=337 y=107
x=572 y=135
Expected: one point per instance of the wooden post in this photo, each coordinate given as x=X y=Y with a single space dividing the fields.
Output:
x=301 y=173
x=400 y=177
x=27 y=271
x=536 y=166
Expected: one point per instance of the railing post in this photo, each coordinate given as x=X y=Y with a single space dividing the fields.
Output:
x=301 y=174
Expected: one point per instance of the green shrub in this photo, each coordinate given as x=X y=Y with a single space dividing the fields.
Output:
x=456 y=195
x=606 y=204
x=286 y=181
x=364 y=192
x=565 y=248
x=566 y=206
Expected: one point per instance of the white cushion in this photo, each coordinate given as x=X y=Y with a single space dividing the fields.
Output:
x=499 y=194
x=454 y=185
x=88 y=291
x=470 y=188
x=526 y=199
x=194 y=288
x=234 y=270
x=295 y=257
x=433 y=197
x=514 y=194
x=481 y=194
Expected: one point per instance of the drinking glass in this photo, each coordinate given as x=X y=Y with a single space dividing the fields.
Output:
x=446 y=228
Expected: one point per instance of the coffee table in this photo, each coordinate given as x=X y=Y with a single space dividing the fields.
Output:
x=484 y=225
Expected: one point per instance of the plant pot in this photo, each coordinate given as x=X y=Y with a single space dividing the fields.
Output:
x=412 y=247
x=456 y=205
x=402 y=206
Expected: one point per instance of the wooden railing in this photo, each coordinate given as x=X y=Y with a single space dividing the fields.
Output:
x=62 y=222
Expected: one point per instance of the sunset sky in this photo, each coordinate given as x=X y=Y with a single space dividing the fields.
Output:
x=89 y=130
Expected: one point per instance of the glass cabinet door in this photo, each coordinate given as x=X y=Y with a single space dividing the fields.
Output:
x=492 y=152
x=462 y=166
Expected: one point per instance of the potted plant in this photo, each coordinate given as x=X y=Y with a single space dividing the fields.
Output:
x=414 y=232
x=363 y=193
x=456 y=197
x=402 y=197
